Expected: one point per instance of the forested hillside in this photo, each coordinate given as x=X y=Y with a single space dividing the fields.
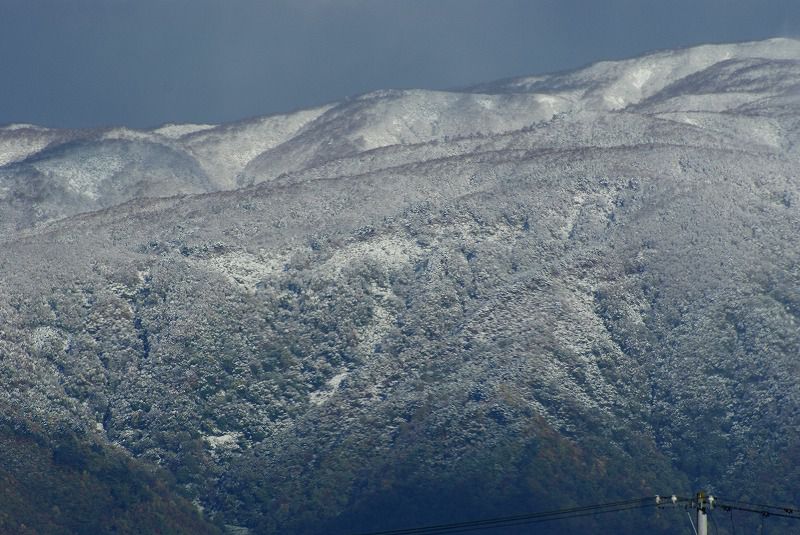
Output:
x=411 y=307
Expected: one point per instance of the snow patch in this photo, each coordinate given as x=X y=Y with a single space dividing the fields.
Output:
x=175 y=131
x=227 y=441
x=247 y=270
x=224 y=151
x=639 y=76
x=22 y=126
x=84 y=177
x=44 y=339
x=143 y=274
x=15 y=149
x=389 y=251
x=332 y=385
x=486 y=102
x=573 y=214
x=382 y=320
x=553 y=103
x=126 y=134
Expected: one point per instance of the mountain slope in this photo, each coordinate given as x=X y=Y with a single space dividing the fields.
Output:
x=430 y=306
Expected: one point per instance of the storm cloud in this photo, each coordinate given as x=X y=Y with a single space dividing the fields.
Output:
x=146 y=62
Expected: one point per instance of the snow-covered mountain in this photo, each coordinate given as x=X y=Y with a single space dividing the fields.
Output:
x=417 y=306
x=80 y=171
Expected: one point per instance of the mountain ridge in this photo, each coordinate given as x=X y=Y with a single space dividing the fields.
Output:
x=524 y=309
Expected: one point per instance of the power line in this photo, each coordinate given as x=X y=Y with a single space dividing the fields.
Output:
x=532 y=518
x=785 y=509
x=548 y=519
x=787 y=512
x=691 y=522
x=703 y=503
x=714 y=522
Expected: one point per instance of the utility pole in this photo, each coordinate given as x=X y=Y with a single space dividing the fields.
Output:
x=703 y=504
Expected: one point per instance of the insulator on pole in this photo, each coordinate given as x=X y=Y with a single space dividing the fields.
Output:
x=702 y=516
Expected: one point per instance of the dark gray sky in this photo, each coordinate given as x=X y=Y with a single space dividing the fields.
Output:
x=76 y=63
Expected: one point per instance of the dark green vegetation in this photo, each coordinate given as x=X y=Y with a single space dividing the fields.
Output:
x=452 y=310
x=65 y=483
